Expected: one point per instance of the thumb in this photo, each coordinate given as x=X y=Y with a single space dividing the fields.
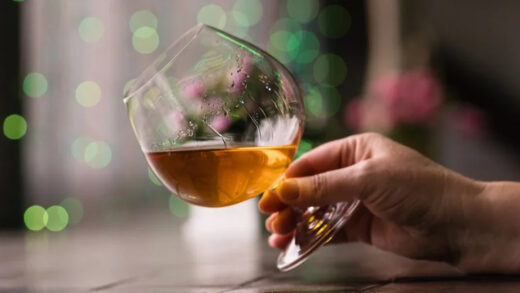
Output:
x=325 y=188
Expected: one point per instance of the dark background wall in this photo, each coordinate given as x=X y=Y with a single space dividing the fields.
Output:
x=11 y=198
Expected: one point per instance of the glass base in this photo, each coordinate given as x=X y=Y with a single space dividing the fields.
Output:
x=317 y=227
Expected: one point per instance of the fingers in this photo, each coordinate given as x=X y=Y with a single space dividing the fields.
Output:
x=270 y=203
x=334 y=155
x=324 y=188
x=280 y=241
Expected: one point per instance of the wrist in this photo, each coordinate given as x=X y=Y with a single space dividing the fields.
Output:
x=488 y=239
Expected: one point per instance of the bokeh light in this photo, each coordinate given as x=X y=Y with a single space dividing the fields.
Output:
x=330 y=69
x=91 y=29
x=98 y=154
x=332 y=100
x=58 y=218
x=127 y=86
x=14 y=127
x=313 y=100
x=305 y=146
x=309 y=47
x=284 y=41
x=74 y=209
x=78 y=147
x=142 y=18
x=283 y=38
x=303 y=10
x=247 y=12
x=35 y=218
x=178 y=207
x=334 y=21
x=145 y=40
x=35 y=85
x=213 y=15
x=88 y=93
x=153 y=178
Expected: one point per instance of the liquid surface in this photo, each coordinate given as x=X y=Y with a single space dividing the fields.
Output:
x=216 y=178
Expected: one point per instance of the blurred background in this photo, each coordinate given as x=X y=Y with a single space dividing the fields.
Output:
x=439 y=76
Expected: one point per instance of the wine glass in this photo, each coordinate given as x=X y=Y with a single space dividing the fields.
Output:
x=219 y=121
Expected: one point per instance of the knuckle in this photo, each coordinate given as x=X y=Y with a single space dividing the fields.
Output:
x=372 y=135
x=319 y=187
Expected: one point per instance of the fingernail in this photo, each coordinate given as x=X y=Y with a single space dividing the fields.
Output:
x=289 y=190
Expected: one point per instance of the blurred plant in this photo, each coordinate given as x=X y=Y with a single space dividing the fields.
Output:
x=469 y=121
x=406 y=106
x=402 y=105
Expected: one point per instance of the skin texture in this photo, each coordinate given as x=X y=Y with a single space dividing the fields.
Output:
x=411 y=206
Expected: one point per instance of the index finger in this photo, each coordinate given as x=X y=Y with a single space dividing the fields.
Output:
x=330 y=156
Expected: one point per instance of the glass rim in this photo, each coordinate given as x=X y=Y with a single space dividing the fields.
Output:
x=142 y=77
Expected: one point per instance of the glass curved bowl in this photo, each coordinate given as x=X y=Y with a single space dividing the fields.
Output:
x=219 y=120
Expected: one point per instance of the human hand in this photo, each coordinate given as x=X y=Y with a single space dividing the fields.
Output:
x=411 y=206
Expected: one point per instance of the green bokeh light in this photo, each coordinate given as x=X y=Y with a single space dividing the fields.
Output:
x=313 y=100
x=15 y=127
x=334 y=21
x=213 y=15
x=178 y=207
x=91 y=29
x=305 y=146
x=303 y=10
x=78 y=147
x=35 y=85
x=330 y=69
x=128 y=85
x=332 y=100
x=309 y=47
x=153 y=178
x=74 y=209
x=98 y=154
x=283 y=36
x=58 y=218
x=35 y=218
x=142 y=18
x=247 y=12
x=145 y=40
x=284 y=41
x=88 y=93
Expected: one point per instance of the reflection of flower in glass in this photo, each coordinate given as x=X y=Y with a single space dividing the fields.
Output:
x=194 y=89
x=175 y=121
x=220 y=123
x=239 y=74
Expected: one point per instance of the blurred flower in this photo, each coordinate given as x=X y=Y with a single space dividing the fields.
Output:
x=352 y=113
x=175 y=121
x=239 y=74
x=408 y=98
x=411 y=97
x=470 y=121
x=193 y=89
x=220 y=123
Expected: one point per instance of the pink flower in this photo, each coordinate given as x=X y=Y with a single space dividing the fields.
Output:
x=194 y=89
x=353 y=113
x=220 y=123
x=410 y=98
x=175 y=121
x=470 y=121
x=239 y=74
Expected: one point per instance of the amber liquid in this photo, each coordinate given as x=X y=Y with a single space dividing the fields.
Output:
x=221 y=177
